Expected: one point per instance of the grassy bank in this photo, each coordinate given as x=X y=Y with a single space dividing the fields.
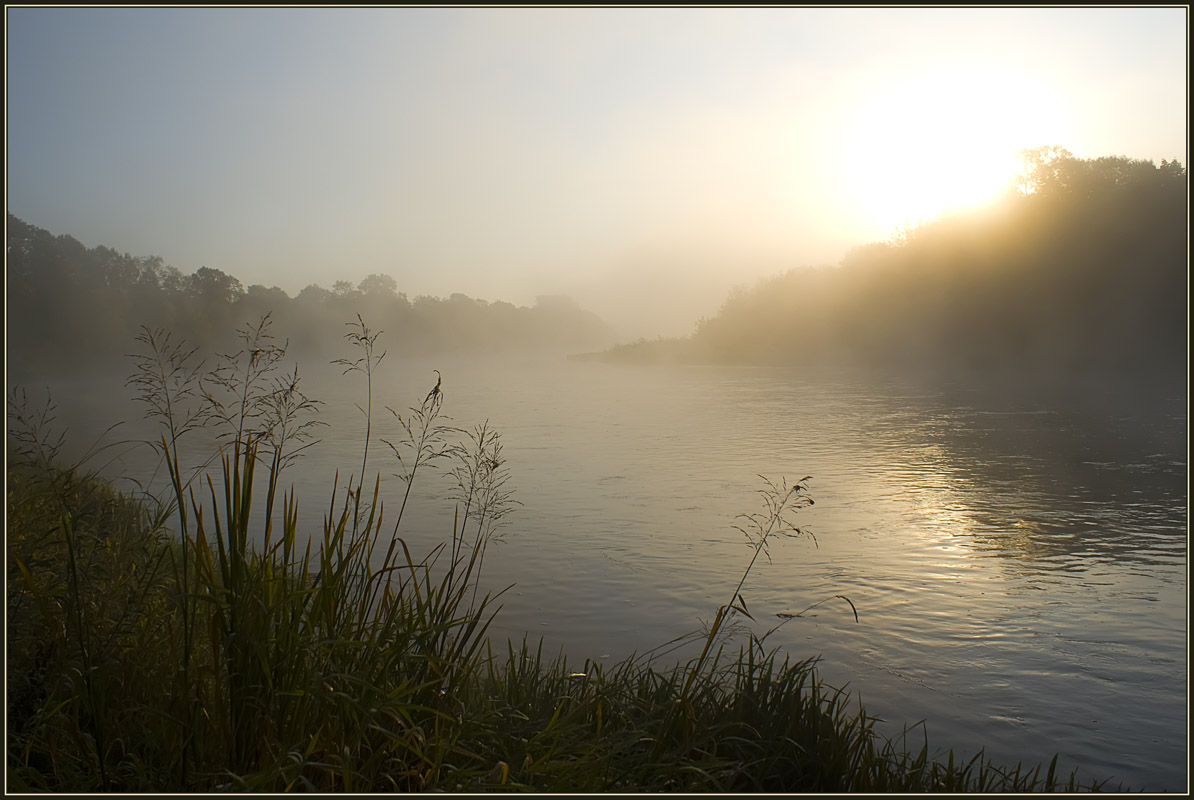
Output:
x=246 y=655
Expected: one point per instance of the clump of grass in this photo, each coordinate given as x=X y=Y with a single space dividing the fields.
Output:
x=213 y=658
x=283 y=660
x=765 y=725
x=85 y=591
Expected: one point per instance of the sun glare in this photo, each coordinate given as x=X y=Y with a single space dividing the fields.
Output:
x=940 y=140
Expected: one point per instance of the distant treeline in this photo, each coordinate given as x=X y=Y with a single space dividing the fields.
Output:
x=70 y=307
x=1082 y=266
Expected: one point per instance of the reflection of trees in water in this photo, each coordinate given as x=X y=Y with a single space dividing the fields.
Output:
x=1045 y=478
x=1046 y=489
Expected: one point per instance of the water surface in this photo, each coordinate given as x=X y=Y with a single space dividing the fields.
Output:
x=1018 y=562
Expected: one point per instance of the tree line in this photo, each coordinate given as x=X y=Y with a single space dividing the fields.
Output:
x=1081 y=266
x=70 y=307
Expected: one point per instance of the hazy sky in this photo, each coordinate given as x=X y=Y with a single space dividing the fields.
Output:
x=643 y=161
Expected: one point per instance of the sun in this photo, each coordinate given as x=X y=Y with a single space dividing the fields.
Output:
x=940 y=139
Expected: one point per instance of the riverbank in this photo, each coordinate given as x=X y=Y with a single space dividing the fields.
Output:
x=141 y=663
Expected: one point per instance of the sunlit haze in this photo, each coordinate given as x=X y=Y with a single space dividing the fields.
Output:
x=643 y=162
x=944 y=137
x=527 y=345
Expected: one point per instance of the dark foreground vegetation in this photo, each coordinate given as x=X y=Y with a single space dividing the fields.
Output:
x=1081 y=269
x=246 y=654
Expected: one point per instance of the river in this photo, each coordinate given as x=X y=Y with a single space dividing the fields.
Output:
x=1018 y=562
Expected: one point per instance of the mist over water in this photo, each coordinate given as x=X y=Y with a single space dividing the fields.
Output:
x=992 y=411
x=1018 y=562
x=973 y=340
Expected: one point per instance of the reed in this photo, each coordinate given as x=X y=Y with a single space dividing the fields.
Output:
x=240 y=653
x=365 y=340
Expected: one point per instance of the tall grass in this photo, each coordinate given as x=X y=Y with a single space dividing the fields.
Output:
x=365 y=340
x=241 y=653
x=87 y=588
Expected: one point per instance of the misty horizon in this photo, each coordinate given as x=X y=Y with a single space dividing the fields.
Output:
x=615 y=156
x=391 y=391
x=1034 y=281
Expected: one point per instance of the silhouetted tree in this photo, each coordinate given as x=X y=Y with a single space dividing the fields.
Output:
x=214 y=287
x=379 y=286
x=1086 y=268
